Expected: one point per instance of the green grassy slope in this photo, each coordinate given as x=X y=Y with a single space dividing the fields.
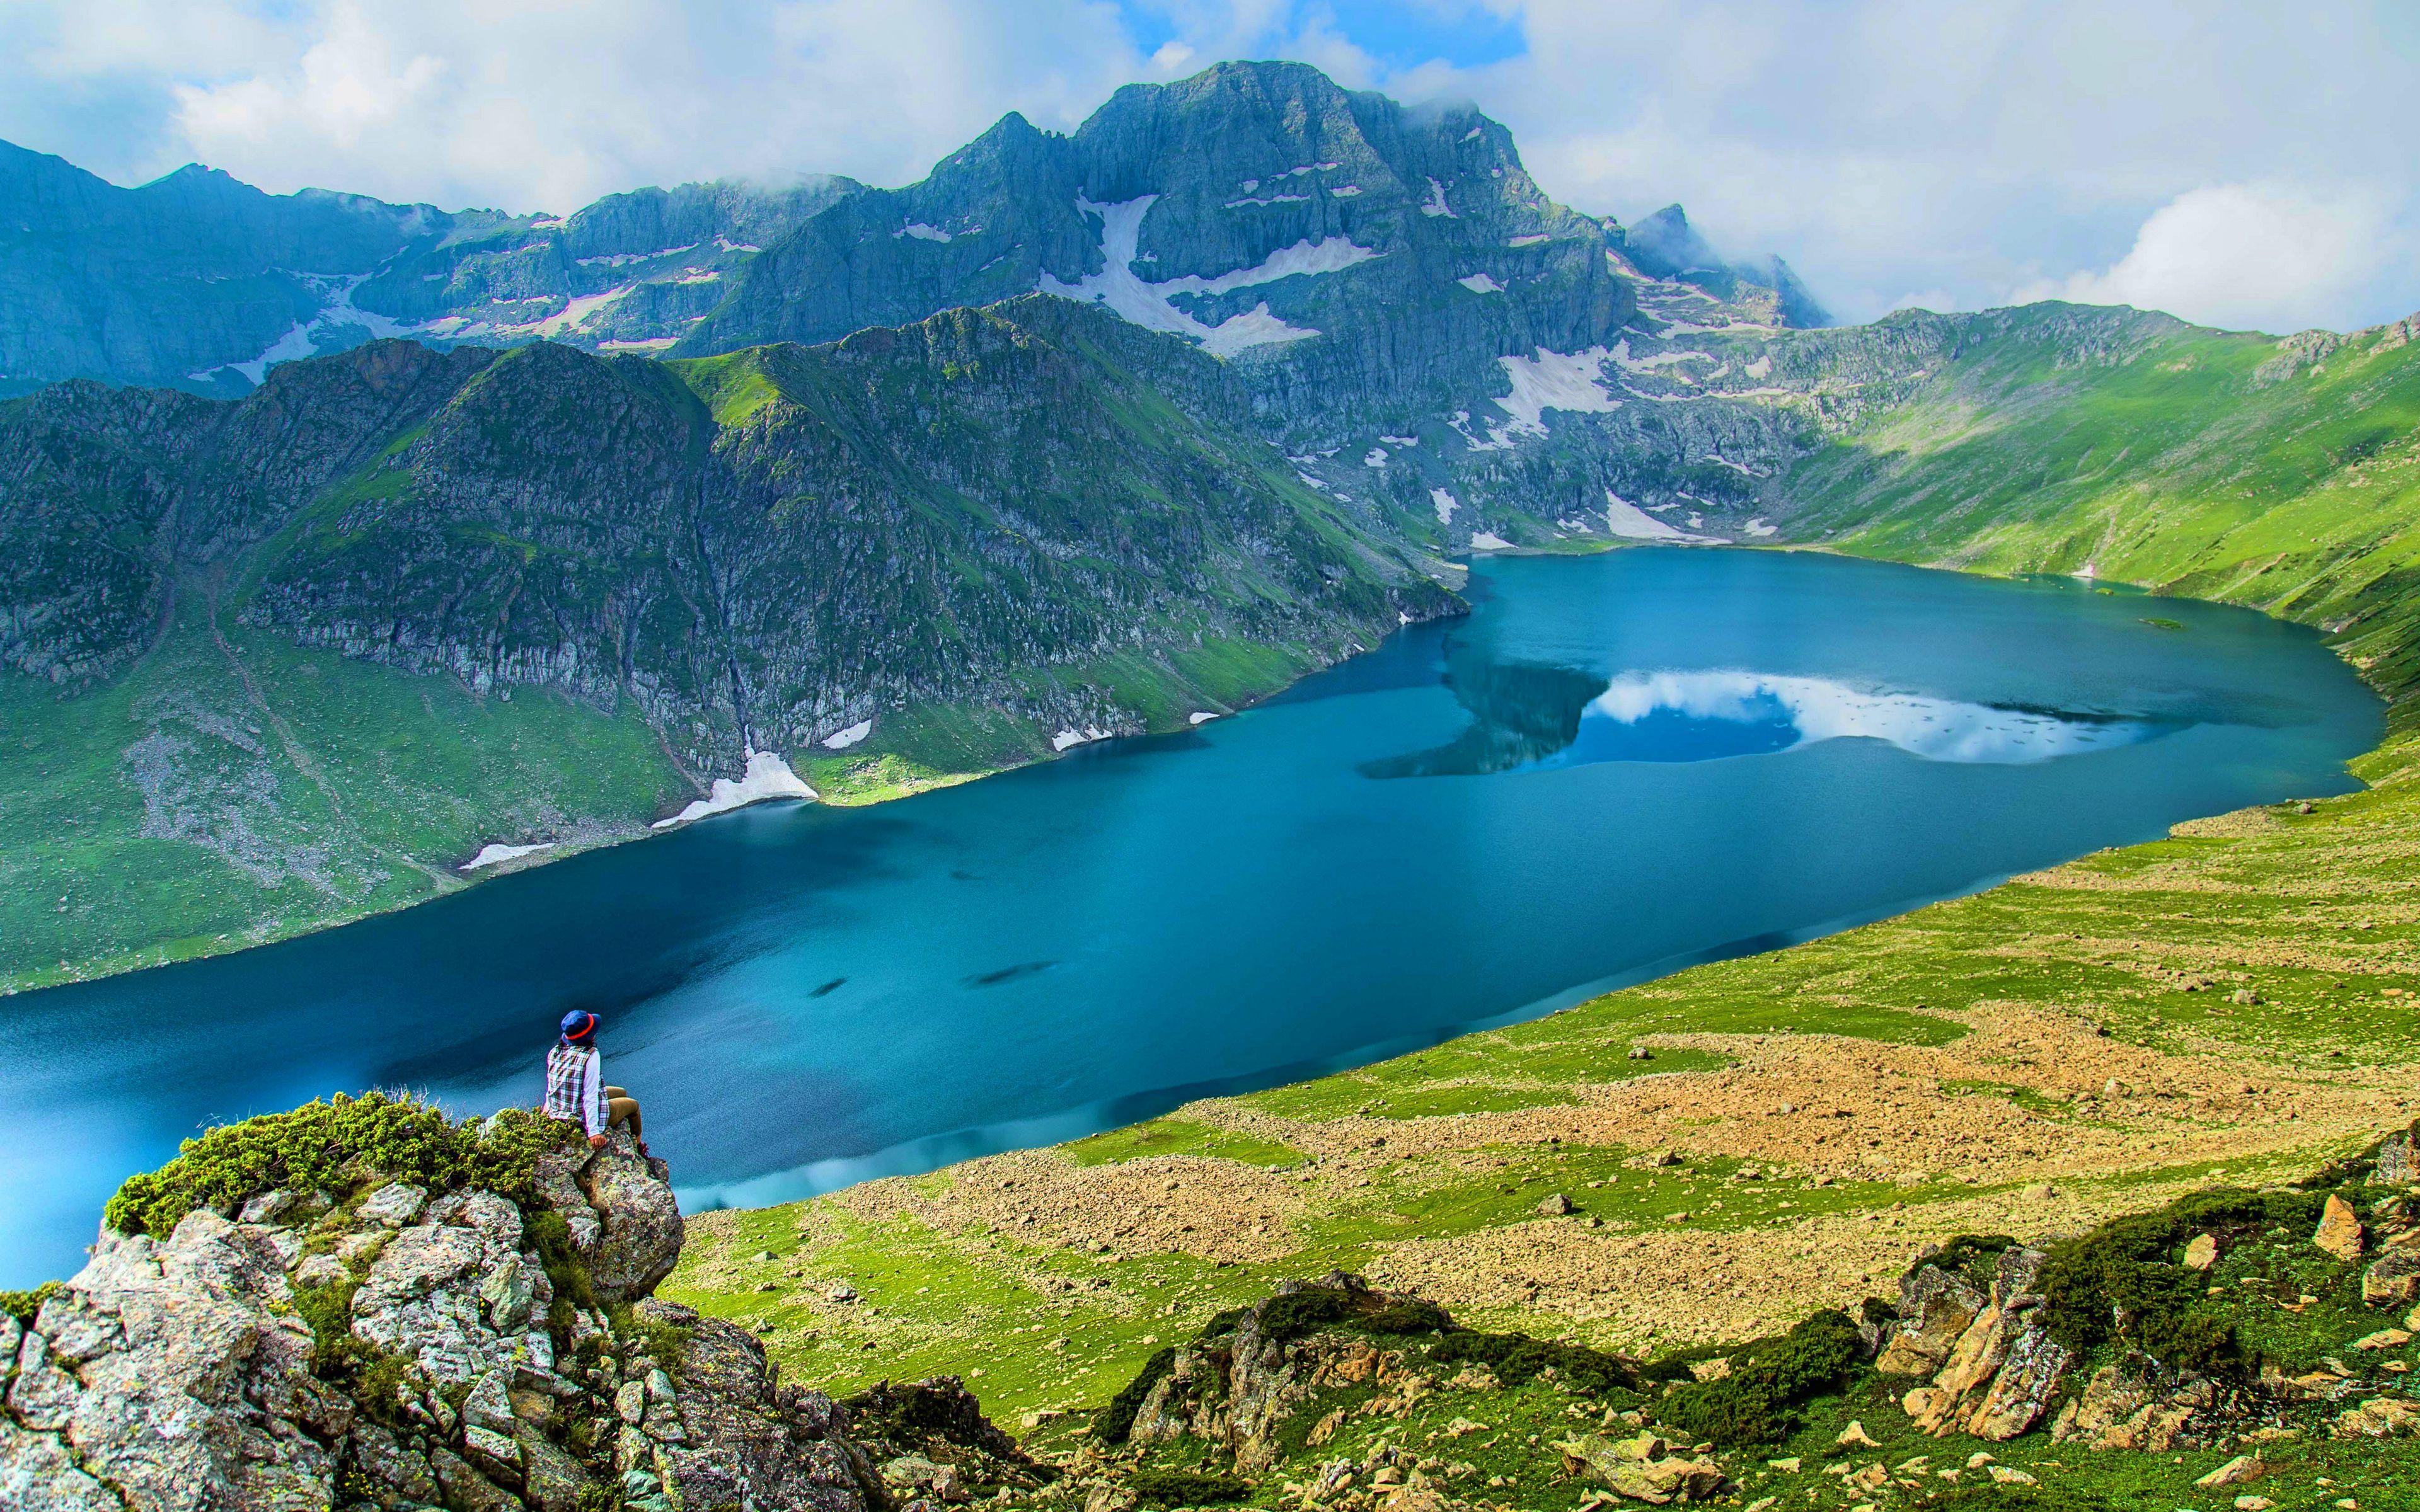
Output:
x=235 y=789
x=2283 y=475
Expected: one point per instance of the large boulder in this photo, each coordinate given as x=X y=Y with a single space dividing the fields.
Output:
x=619 y=1206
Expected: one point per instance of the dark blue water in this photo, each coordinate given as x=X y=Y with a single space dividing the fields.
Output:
x=1618 y=765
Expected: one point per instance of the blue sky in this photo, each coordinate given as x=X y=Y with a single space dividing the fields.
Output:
x=2243 y=164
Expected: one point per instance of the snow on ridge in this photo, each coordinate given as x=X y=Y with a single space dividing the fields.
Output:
x=1328 y=255
x=301 y=339
x=577 y=310
x=1401 y=440
x=1435 y=205
x=921 y=232
x=1553 y=380
x=842 y=739
x=1459 y=423
x=1650 y=363
x=1146 y=304
x=737 y=246
x=1481 y=284
x=767 y=776
x=1269 y=199
x=1473 y=135
x=1531 y=239
x=653 y=344
x=1445 y=504
x=1375 y=458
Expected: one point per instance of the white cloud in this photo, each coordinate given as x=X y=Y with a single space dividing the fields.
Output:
x=1964 y=151
x=2246 y=255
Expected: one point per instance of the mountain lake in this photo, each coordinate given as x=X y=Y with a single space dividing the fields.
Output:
x=1616 y=766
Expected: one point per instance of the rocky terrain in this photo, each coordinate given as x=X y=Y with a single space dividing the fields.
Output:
x=361 y=1306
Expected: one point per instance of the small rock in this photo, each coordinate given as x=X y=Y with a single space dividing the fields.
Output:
x=2202 y=1252
x=392 y=1205
x=1639 y=1052
x=841 y=1291
x=2236 y=1472
x=631 y=1402
x=269 y=1207
x=1555 y=1205
x=2339 y=1232
x=2252 y=1504
x=2385 y=1338
x=2038 y=1192
x=2010 y=1476
x=1855 y=1437
x=495 y=1448
x=319 y=1270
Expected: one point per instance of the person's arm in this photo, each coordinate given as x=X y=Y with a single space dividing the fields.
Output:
x=591 y=1099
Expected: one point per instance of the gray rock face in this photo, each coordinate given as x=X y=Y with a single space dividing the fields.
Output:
x=624 y=1221
x=161 y=1371
x=216 y=1370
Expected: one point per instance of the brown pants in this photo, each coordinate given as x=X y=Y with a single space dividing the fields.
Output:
x=621 y=1108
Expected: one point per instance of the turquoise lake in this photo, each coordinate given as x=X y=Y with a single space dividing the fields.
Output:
x=1615 y=766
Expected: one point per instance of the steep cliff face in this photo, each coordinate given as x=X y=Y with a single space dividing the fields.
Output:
x=362 y=1306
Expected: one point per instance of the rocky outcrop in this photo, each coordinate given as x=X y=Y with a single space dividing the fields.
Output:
x=2002 y=1369
x=397 y=1347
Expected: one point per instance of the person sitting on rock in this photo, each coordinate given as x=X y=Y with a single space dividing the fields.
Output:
x=575 y=1085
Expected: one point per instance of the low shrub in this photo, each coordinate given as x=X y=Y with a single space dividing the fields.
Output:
x=1757 y=1401
x=339 y=1146
x=1185 y=1488
x=1517 y=1359
x=22 y=1306
x=1113 y=1423
x=2122 y=1282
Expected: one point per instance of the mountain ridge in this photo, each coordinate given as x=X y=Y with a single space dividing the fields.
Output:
x=638 y=270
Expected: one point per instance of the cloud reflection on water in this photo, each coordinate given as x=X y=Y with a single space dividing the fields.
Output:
x=1771 y=712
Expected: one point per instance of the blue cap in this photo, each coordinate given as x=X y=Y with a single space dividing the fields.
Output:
x=578 y=1025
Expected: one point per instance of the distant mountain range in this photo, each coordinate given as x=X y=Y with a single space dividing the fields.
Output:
x=1223 y=185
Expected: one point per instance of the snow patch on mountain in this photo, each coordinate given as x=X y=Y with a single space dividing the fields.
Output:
x=921 y=232
x=1553 y=380
x=1481 y=284
x=302 y=339
x=1435 y=205
x=1146 y=304
x=1445 y=504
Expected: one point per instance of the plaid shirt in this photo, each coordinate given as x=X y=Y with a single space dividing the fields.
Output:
x=575 y=1086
